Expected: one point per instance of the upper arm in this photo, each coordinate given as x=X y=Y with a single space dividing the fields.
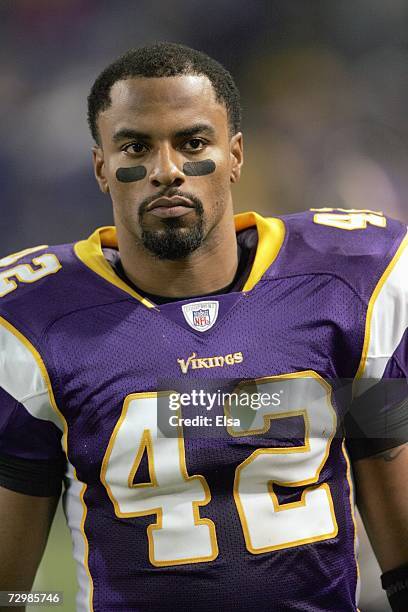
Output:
x=382 y=498
x=381 y=412
x=25 y=522
x=31 y=471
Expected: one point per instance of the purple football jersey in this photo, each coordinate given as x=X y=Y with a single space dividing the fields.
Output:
x=177 y=500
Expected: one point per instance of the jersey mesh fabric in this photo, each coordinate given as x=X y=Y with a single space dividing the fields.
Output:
x=123 y=577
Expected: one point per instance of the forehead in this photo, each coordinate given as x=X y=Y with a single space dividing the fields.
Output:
x=165 y=102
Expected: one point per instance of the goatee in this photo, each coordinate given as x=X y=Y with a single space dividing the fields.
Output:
x=174 y=240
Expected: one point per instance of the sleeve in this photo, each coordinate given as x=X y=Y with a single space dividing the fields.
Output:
x=31 y=457
x=378 y=418
x=31 y=454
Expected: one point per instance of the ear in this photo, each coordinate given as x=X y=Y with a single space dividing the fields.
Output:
x=99 y=168
x=237 y=156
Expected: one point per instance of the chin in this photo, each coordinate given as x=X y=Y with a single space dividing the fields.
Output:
x=173 y=242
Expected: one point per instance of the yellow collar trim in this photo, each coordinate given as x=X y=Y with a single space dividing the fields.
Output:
x=90 y=253
x=271 y=233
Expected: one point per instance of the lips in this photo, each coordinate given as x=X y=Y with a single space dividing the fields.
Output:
x=165 y=208
x=165 y=202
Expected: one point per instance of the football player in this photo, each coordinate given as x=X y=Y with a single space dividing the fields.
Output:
x=103 y=342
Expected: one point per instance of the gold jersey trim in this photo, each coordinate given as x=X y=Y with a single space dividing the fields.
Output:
x=271 y=233
x=89 y=251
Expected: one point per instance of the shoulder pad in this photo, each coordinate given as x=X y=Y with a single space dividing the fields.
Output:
x=40 y=284
x=353 y=245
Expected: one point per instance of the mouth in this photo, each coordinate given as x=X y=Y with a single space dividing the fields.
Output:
x=176 y=206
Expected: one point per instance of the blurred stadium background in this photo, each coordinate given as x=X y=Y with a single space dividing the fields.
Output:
x=324 y=91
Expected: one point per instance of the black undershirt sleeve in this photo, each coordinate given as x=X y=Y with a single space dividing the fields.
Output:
x=378 y=420
x=40 y=478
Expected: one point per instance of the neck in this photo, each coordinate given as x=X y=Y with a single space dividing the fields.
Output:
x=209 y=268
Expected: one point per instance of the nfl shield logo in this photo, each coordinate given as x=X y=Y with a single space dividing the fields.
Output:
x=201 y=316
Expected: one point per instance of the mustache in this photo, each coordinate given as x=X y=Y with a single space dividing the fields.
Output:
x=169 y=192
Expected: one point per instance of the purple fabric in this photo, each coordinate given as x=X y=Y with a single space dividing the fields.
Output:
x=24 y=436
x=100 y=345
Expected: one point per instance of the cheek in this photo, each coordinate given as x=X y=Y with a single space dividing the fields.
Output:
x=125 y=197
x=215 y=171
x=126 y=183
x=221 y=177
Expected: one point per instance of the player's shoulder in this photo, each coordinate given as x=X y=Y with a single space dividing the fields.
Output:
x=345 y=232
x=334 y=237
x=41 y=284
x=357 y=246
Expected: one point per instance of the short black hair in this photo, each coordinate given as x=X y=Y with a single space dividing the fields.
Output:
x=164 y=59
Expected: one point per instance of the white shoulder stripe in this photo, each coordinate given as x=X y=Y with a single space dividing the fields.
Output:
x=22 y=378
x=388 y=320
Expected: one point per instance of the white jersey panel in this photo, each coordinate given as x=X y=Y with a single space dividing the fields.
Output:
x=389 y=321
x=22 y=378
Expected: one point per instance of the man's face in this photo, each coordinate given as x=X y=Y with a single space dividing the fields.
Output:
x=154 y=136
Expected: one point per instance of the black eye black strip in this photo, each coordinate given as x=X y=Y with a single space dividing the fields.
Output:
x=137 y=173
x=199 y=168
x=128 y=175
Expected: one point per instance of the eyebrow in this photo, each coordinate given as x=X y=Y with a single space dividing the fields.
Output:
x=188 y=132
x=125 y=133
x=197 y=128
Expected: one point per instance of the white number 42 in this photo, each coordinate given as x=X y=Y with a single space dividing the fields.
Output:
x=179 y=534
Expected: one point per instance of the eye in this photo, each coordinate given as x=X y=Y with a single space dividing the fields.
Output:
x=194 y=144
x=134 y=148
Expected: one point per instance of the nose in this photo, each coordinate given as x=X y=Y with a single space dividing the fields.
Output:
x=165 y=170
